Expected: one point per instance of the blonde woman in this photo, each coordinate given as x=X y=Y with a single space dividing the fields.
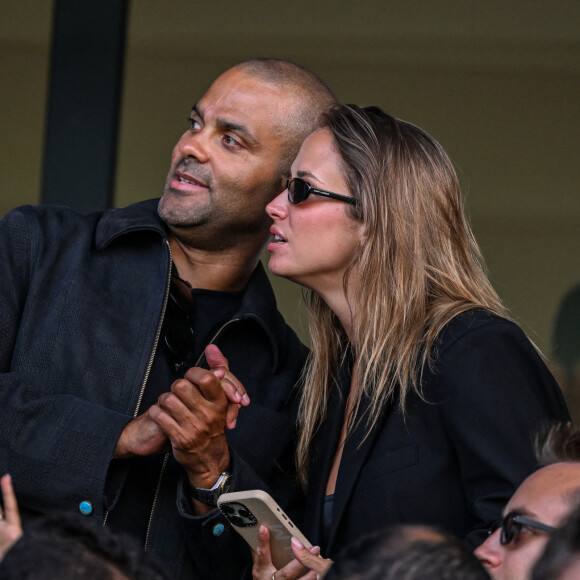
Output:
x=421 y=398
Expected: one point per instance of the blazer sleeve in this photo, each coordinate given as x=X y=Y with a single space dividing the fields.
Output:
x=496 y=394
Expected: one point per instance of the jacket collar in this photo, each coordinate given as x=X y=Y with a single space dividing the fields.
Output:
x=137 y=217
x=258 y=302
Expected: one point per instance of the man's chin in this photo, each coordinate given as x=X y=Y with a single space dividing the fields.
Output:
x=177 y=212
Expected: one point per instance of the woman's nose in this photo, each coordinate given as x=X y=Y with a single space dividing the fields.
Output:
x=278 y=207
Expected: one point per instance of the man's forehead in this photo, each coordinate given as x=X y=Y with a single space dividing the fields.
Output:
x=239 y=99
x=547 y=489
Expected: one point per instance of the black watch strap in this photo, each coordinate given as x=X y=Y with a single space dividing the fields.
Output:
x=210 y=496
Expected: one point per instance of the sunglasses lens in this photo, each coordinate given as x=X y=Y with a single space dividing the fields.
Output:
x=180 y=296
x=179 y=338
x=298 y=190
x=508 y=530
x=179 y=334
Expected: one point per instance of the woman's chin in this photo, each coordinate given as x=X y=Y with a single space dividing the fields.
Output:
x=279 y=271
x=275 y=267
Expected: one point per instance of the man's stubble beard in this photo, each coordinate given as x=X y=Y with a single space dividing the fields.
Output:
x=180 y=212
x=185 y=210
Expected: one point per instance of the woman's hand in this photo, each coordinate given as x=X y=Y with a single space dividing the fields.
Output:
x=307 y=560
x=233 y=388
x=10 y=525
x=311 y=560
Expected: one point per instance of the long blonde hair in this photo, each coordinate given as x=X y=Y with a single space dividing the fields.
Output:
x=418 y=268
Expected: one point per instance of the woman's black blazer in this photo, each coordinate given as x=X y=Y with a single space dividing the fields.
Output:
x=456 y=457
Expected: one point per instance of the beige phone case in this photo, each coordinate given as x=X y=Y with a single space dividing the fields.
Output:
x=248 y=510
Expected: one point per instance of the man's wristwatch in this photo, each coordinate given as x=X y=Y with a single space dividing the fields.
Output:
x=210 y=496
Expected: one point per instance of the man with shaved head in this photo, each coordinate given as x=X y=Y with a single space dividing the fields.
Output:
x=540 y=505
x=115 y=397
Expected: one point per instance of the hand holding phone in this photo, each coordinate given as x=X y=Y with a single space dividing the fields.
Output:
x=248 y=510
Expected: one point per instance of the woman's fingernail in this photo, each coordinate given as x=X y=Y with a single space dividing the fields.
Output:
x=262 y=531
x=246 y=399
x=297 y=543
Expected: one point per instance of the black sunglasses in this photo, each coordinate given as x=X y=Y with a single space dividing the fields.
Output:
x=299 y=190
x=179 y=322
x=512 y=525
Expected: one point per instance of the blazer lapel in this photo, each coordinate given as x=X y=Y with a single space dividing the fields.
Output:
x=322 y=455
x=354 y=456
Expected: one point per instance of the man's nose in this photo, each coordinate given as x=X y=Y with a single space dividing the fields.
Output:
x=490 y=553
x=194 y=145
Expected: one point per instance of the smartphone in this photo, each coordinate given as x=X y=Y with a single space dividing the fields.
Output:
x=248 y=510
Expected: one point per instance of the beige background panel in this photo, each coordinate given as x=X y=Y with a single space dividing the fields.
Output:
x=497 y=83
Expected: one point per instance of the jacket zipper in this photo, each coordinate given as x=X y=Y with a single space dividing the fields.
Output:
x=166 y=458
x=144 y=384
x=157 y=334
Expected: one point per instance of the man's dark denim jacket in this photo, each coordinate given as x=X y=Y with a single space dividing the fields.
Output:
x=82 y=297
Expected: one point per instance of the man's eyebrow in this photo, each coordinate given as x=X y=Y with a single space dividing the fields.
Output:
x=521 y=511
x=242 y=130
x=225 y=125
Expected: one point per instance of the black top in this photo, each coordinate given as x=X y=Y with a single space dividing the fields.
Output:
x=213 y=309
x=456 y=457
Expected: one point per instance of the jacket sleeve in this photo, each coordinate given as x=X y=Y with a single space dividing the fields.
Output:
x=262 y=448
x=214 y=534
x=272 y=471
x=496 y=395
x=56 y=446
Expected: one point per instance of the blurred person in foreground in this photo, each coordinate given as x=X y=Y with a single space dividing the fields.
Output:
x=10 y=524
x=407 y=552
x=63 y=547
x=561 y=558
x=539 y=506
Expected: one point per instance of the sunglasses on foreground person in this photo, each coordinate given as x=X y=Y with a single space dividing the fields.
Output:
x=513 y=524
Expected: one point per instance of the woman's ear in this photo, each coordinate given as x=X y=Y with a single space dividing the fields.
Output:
x=362 y=233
